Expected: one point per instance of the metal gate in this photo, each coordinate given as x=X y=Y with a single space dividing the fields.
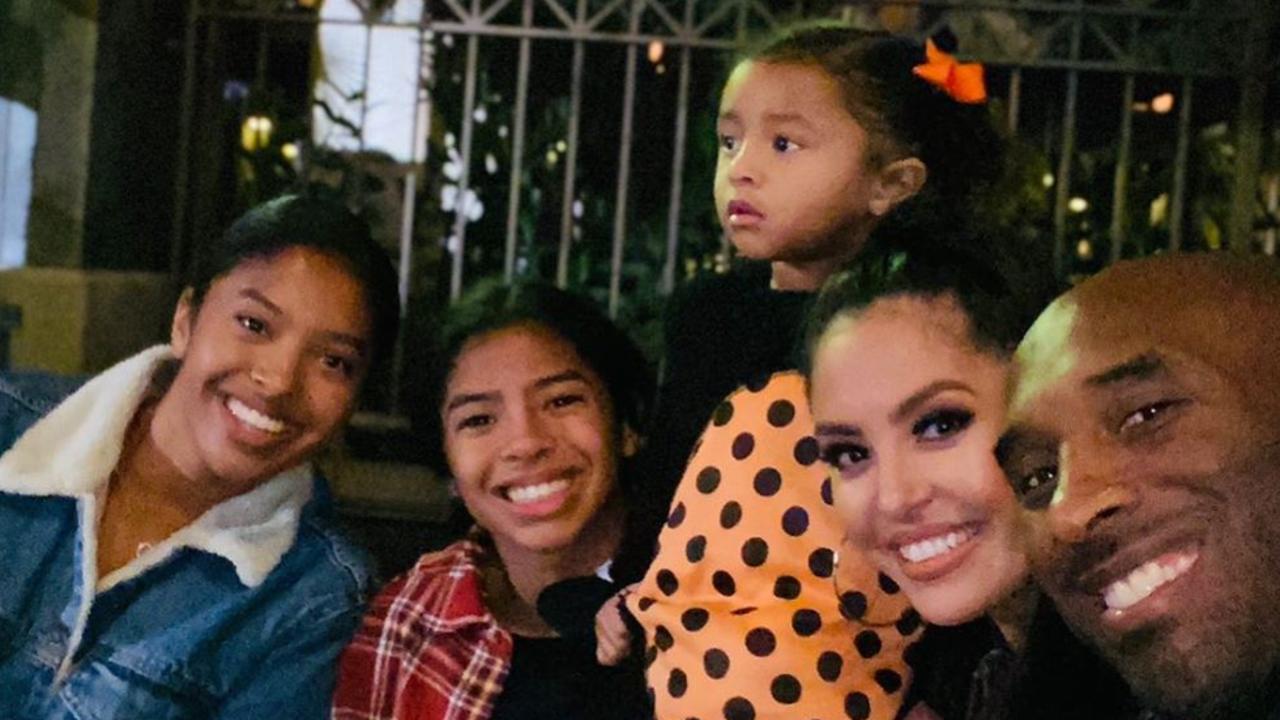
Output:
x=602 y=102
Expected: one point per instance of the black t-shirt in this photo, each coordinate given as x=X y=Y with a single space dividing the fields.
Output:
x=559 y=679
x=721 y=332
x=967 y=672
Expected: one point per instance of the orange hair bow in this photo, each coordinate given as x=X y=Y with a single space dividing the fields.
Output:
x=962 y=81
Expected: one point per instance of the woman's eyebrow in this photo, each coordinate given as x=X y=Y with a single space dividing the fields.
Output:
x=466 y=398
x=560 y=377
x=908 y=407
x=261 y=299
x=837 y=430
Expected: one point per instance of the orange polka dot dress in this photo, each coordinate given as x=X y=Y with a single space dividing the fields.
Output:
x=751 y=608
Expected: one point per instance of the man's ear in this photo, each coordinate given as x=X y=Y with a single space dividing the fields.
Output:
x=896 y=182
x=184 y=315
x=631 y=441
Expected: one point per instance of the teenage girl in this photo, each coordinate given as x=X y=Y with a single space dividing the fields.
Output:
x=166 y=553
x=823 y=133
x=537 y=400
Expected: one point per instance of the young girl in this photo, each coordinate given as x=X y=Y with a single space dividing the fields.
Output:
x=538 y=398
x=823 y=132
x=909 y=352
x=164 y=556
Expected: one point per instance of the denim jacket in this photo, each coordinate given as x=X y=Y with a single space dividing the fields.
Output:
x=241 y=614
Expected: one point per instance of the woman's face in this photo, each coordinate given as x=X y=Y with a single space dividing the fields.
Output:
x=530 y=437
x=908 y=411
x=272 y=362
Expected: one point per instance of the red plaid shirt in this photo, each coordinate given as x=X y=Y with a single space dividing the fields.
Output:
x=428 y=649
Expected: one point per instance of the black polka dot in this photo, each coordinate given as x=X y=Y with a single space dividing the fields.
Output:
x=806 y=622
x=909 y=622
x=708 y=480
x=795 y=521
x=723 y=414
x=650 y=654
x=761 y=642
x=716 y=663
x=646 y=603
x=739 y=708
x=696 y=548
x=744 y=610
x=889 y=681
x=825 y=491
x=821 y=562
x=830 y=664
x=785 y=689
x=768 y=482
x=677 y=683
x=667 y=582
x=868 y=643
x=888 y=585
x=781 y=413
x=758 y=383
x=743 y=445
x=786 y=588
x=662 y=638
x=723 y=583
x=694 y=619
x=677 y=516
x=853 y=605
x=857 y=706
x=807 y=451
x=754 y=552
x=730 y=514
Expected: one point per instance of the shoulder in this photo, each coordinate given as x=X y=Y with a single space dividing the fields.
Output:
x=718 y=292
x=436 y=580
x=25 y=397
x=440 y=594
x=324 y=567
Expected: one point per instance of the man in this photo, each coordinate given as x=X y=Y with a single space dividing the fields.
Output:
x=1144 y=444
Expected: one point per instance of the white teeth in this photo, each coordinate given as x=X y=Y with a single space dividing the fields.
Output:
x=253 y=418
x=935 y=546
x=534 y=493
x=1144 y=580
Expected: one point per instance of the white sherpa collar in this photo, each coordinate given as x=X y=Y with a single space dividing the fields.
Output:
x=71 y=452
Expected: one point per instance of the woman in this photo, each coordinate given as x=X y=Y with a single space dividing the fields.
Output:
x=164 y=553
x=909 y=355
x=537 y=398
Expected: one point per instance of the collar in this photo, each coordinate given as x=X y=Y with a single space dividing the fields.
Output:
x=72 y=451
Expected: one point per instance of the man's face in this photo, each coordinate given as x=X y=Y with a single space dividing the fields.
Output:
x=1144 y=445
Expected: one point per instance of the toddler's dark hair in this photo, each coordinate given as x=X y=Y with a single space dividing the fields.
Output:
x=998 y=283
x=903 y=114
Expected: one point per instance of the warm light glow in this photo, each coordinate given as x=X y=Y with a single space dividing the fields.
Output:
x=1047 y=180
x=656 y=49
x=289 y=151
x=1077 y=204
x=1159 y=210
x=1162 y=103
x=1084 y=249
x=255 y=133
x=562 y=146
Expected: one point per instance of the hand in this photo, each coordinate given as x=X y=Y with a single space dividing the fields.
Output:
x=613 y=639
